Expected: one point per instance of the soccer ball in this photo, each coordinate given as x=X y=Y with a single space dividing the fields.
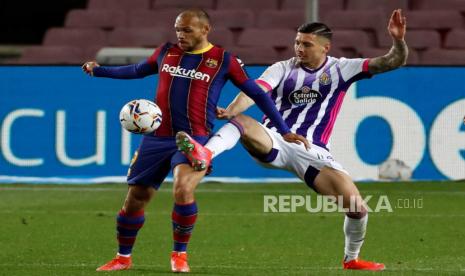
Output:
x=140 y=116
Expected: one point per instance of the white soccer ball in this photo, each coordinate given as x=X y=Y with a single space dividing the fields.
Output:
x=140 y=116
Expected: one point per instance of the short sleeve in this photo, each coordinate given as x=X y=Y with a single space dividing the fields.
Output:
x=236 y=71
x=354 y=69
x=153 y=59
x=272 y=76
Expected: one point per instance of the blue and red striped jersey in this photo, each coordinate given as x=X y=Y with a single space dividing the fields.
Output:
x=189 y=86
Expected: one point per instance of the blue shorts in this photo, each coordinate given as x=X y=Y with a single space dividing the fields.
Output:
x=155 y=158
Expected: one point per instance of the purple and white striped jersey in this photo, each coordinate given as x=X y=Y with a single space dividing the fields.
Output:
x=309 y=100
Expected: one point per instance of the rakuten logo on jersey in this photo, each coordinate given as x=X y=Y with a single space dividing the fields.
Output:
x=177 y=71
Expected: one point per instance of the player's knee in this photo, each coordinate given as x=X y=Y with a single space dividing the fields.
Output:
x=183 y=193
x=357 y=214
x=243 y=123
x=183 y=188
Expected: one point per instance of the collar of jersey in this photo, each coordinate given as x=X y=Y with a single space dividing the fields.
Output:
x=203 y=50
x=314 y=70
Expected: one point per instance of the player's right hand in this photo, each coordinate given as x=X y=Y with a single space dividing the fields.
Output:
x=296 y=139
x=89 y=66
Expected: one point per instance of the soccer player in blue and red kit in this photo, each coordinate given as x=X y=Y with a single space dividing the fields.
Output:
x=191 y=76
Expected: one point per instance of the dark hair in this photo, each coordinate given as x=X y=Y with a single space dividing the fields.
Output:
x=316 y=28
x=199 y=13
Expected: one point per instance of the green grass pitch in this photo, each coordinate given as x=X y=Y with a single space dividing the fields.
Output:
x=70 y=230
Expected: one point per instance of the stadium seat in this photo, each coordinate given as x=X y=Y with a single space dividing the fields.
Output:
x=455 y=39
x=222 y=37
x=456 y=5
x=75 y=37
x=269 y=37
x=183 y=4
x=386 y=6
x=350 y=39
x=124 y=5
x=439 y=20
x=366 y=20
x=323 y=6
x=417 y=39
x=233 y=19
x=280 y=19
x=413 y=58
x=51 y=55
x=150 y=19
x=95 y=19
x=255 y=54
x=139 y=37
x=254 y=5
x=443 y=57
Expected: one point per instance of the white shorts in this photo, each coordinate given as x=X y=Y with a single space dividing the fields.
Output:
x=296 y=159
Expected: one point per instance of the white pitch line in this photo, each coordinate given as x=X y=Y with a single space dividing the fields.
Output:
x=268 y=215
x=412 y=193
x=237 y=267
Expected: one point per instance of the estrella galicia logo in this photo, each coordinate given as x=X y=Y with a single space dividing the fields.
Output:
x=304 y=95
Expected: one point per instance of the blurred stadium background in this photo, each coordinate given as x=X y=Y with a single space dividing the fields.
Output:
x=260 y=31
x=60 y=126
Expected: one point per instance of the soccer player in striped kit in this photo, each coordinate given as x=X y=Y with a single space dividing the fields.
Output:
x=308 y=91
x=191 y=76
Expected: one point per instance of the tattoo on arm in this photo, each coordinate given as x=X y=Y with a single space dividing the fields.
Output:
x=395 y=58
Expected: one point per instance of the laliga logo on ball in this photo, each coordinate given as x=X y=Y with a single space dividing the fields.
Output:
x=140 y=116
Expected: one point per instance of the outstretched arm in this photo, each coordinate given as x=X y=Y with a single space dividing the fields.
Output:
x=133 y=71
x=240 y=104
x=397 y=56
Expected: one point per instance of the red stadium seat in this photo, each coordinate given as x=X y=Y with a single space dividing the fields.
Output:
x=269 y=37
x=280 y=19
x=416 y=39
x=234 y=19
x=138 y=37
x=255 y=55
x=293 y=5
x=328 y=5
x=52 y=55
x=150 y=19
x=366 y=20
x=324 y=6
x=456 y=5
x=183 y=4
x=443 y=57
x=95 y=18
x=386 y=6
x=254 y=5
x=439 y=20
x=124 y=5
x=455 y=39
x=413 y=58
x=74 y=37
x=222 y=37
x=350 y=39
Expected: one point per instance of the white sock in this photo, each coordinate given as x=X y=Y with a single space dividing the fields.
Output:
x=124 y=255
x=224 y=139
x=354 y=230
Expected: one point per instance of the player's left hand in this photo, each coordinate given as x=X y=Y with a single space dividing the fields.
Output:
x=397 y=25
x=296 y=139
x=223 y=114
